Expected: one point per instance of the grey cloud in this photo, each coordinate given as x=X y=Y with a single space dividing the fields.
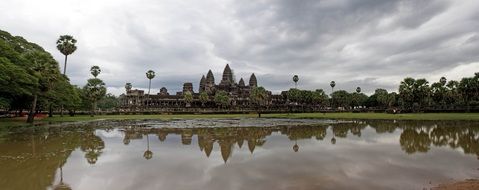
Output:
x=372 y=43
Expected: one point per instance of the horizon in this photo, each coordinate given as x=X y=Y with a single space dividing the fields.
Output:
x=369 y=44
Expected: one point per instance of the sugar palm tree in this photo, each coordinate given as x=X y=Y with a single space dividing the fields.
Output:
x=148 y=153
x=332 y=84
x=358 y=89
x=188 y=98
x=295 y=80
x=259 y=97
x=150 y=74
x=66 y=45
x=128 y=86
x=95 y=71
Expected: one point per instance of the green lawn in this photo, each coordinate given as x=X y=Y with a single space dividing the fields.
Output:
x=414 y=116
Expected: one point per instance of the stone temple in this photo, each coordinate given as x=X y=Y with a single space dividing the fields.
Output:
x=238 y=93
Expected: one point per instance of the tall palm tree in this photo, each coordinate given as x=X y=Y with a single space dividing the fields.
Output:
x=150 y=74
x=295 y=80
x=95 y=71
x=443 y=81
x=66 y=45
x=332 y=84
x=148 y=153
x=358 y=89
x=128 y=86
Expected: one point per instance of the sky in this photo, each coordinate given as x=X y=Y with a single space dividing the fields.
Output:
x=368 y=43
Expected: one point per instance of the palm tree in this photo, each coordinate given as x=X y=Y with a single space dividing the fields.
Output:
x=295 y=80
x=128 y=86
x=95 y=71
x=150 y=74
x=443 y=81
x=259 y=97
x=332 y=84
x=66 y=45
x=188 y=98
x=95 y=90
x=148 y=153
x=203 y=98
x=358 y=89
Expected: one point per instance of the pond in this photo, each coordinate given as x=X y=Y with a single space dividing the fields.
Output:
x=240 y=154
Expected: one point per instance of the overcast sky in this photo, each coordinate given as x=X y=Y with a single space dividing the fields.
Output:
x=367 y=43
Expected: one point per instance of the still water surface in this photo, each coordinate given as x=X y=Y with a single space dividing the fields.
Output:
x=240 y=154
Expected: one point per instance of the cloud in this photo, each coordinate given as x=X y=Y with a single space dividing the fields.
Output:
x=372 y=43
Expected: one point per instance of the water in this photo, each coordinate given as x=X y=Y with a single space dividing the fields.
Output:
x=240 y=154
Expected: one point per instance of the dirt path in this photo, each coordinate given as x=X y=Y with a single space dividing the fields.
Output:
x=469 y=184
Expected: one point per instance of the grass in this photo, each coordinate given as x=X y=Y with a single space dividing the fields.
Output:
x=413 y=116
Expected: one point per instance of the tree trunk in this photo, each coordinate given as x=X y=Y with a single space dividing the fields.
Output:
x=61 y=110
x=65 y=66
x=50 y=110
x=31 y=115
x=93 y=112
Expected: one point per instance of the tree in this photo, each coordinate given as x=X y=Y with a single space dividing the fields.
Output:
x=45 y=69
x=128 y=86
x=341 y=98
x=222 y=99
x=150 y=74
x=259 y=97
x=95 y=71
x=414 y=93
x=295 y=80
x=319 y=97
x=188 y=98
x=109 y=102
x=332 y=84
x=382 y=97
x=358 y=89
x=294 y=95
x=95 y=90
x=203 y=98
x=66 y=45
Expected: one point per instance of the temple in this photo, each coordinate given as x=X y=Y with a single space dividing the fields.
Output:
x=238 y=93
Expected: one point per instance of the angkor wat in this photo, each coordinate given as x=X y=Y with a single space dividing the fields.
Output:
x=238 y=94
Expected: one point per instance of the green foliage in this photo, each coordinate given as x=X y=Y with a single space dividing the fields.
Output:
x=188 y=97
x=109 y=102
x=27 y=70
x=222 y=99
x=203 y=97
x=66 y=44
x=95 y=71
x=341 y=98
x=95 y=89
x=259 y=96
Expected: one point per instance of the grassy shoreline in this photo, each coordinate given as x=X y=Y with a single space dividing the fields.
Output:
x=373 y=116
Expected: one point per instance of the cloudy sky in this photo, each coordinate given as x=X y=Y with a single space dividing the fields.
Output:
x=368 y=43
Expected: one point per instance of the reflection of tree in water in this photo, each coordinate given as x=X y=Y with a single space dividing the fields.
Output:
x=415 y=137
x=92 y=145
x=412 y=141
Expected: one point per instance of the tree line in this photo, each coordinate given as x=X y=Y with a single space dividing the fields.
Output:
x=31 y=81
x=413 y=95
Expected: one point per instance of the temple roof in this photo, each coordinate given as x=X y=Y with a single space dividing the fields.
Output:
x=241 y=83
x=210 y=78
x=253 y=81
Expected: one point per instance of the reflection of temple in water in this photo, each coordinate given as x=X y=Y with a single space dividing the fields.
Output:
x=41 y=154
x=415 y=136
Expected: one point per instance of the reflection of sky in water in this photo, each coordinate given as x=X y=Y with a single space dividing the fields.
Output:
x=372 y=161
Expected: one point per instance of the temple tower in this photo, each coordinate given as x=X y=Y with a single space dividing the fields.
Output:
x=227 y=79
x=252 y=81
x=202 y=84
x=241 y=83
